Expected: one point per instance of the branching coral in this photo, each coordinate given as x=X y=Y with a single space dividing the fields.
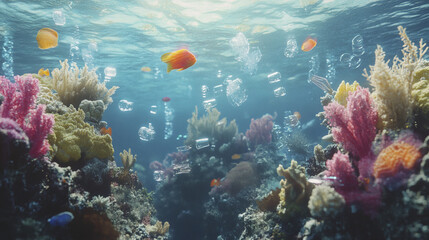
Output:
x=260 y=130
x=158 y=229
x=354 y=126
x=325 y=202
x=128 y=159
x=73 y=139
x=343 y=91
x=209 y=126
x=295 y=190
x=74 y=85
x=393 y=85
x=19 y=104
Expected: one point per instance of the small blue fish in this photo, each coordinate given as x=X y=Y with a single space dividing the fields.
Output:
x=61 y=219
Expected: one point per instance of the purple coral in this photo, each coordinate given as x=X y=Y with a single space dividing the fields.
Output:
x=260 y=130
x=354 y=126
x=348 y=185
x=19 y=105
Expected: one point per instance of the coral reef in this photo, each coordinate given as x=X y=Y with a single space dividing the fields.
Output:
x=73 y=85
x=393 y=85
x=325 y=202
x=260 y=130
x=74 y=139
x=343 y=92
x=295 y=191
x=19 y=104
x=128 y=159
x=354 y=126
x=209 y=126
x=93 y=110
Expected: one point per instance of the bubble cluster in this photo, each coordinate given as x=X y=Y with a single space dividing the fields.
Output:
x=291 y=48
x=7 y=55
x=235 y=92
x=353 y=60
x=125 y=106
x=249 y=57
x=147 y=133
x=59 y=17
x=274 y=79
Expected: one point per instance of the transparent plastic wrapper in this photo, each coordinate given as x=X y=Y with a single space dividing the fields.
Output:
x=240 y=46
x=125 y=106
x=59 y=17
x=235 y=93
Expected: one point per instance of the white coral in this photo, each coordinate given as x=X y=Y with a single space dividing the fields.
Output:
x=325 y=201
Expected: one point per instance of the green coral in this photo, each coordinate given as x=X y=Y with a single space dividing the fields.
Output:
x=420 y=90
x=73 y=139
x=209 y=126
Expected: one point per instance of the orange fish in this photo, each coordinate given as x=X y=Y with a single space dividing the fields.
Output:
x=105 y=131
x=47 y=38
x=43 y=72
x=308 y=44
x=145 y=69
x=297 y=115
x=215 y=182
x=180 y=60
x=236 y=156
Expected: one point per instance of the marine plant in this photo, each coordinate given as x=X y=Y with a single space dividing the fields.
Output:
x=19 y=104
x=393 y=85
x=354 y=126
x=128 y=159
x=74 y=85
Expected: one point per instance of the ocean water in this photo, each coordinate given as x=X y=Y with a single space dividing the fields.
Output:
x=129 y=35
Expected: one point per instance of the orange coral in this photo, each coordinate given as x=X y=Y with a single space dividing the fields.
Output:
x=395 y=157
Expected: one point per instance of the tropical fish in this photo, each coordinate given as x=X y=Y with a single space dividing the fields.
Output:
x=61 y=219
x=180 y=60
x=215 y=182
x=43 y=72
x=324 y=179
x=47 y=38
x=297 y=115
x=236 y=156
x=308 y=44
x=166 y=99
x=145 y=69
x=105 y=131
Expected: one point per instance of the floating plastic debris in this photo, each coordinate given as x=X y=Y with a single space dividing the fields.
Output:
x=355 y=62
x=219 y=74
x=274 y=79
x=218 y=90
x=251 y=62
x=291 y=48
x=357 y=46
x=202 y=143
x=209 y=103
x=125 y=106
x=240 y=46
x=110 y=72
x=158 y=175
x=153 y=109
x=147 y=133
x=183 y=148
x=345 y=59
x=59 y=17
x=235 y=93
x=322 y=83
x=291 y=122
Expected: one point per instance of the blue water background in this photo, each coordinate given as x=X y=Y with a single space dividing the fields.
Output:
x=133 y=34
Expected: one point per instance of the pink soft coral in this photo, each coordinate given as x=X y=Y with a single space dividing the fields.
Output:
x=19 y=104
x=260 y=130
x=354 y=126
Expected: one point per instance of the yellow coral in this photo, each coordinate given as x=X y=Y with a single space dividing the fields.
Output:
x=420 y=90
x=343 y=92
x=73 y=139
x=295 y=190
x=158 y=229
x=128 y=159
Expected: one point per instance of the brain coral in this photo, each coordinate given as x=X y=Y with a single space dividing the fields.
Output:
x=325 y=202
x=395 y=157
x=74 y=139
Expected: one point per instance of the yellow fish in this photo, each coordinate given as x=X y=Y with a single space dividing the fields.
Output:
x=236 y=156
x=47 y=38
x=43 y=72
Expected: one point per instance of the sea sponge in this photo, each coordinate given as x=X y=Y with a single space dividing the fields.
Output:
x=74 y=139
x=295 y=190
x=399 y=155
x=74 y=85
x=209 y=126
x=393 y=85
x=343 y=91
x=325 y=202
